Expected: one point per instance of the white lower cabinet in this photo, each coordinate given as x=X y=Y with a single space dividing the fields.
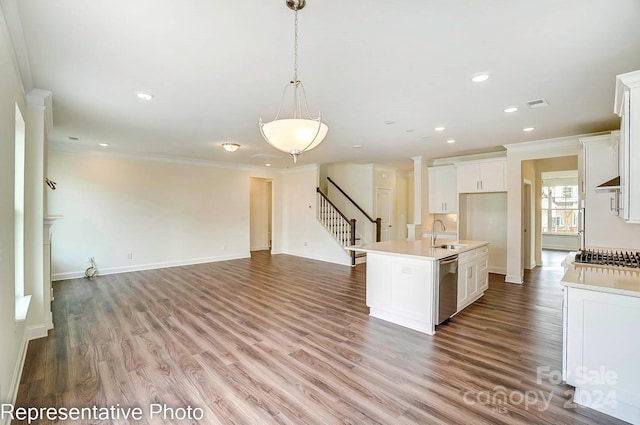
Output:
x=473 y=275
x=601 y=348
x=400 y=290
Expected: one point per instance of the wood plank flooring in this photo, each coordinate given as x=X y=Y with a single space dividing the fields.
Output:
x=285 y=340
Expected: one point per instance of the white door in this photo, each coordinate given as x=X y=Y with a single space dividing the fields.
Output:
x=384 y=211
x=526 y=227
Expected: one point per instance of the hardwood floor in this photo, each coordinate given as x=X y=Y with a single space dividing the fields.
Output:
x=286 y=340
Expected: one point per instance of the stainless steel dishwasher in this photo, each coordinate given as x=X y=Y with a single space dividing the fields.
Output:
x=447 y=289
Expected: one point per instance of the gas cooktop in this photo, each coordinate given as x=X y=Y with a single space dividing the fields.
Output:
x=609 y=258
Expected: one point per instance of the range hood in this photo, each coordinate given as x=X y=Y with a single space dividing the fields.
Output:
x=612 y=185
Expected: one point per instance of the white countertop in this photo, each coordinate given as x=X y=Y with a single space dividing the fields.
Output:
x=614 y=280
x=419 y=248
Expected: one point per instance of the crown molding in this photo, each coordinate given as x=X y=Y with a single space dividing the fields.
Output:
x=15 y=34
x=550 y=144
x=68 y=148
x=42 y=99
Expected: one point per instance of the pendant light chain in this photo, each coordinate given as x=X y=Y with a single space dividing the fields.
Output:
x=295 y=49
x=301 y=132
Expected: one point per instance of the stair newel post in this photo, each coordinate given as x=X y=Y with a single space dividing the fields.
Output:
x=378 y=229
x=353 y=240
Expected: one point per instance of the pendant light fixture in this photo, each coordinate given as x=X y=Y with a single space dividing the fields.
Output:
x=301 y=132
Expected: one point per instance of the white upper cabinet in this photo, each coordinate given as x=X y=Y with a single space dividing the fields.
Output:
x=627 y=106
x=482 y=176
x=443 y=192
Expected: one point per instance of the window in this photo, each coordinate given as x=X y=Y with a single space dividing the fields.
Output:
x=560 y=207
x=22 y=301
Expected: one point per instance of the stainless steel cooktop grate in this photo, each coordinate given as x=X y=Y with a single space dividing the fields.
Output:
x=609 y=258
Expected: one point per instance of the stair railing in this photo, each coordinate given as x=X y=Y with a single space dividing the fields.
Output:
x=377 y=221
x=341 y=228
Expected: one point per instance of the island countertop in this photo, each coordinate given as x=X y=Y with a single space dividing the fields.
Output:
x=418 y=248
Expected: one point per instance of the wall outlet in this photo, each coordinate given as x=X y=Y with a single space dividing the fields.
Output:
x=130 y=256
x=224 y=247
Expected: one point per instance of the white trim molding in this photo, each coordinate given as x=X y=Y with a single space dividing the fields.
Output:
x=150 y=266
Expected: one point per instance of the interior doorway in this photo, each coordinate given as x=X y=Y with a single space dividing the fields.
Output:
x=260 y=214
x=528 y=226
x=384 y=210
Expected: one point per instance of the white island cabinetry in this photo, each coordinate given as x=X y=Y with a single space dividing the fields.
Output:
x=402 y=279
x=400 y=290
x=473 y=275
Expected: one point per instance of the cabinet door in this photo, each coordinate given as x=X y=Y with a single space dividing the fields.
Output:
x=492 y=176
x=472 y=281
x=601 y=344
x=462 y=285
x=443 y=191
x=468 y=176
x=483 y=274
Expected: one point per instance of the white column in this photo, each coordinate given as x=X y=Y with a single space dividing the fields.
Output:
x=38 y=122
x=414 y=230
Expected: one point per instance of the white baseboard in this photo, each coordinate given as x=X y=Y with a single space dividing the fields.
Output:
x=345 y=262
x=17 y=375
x=514 y=279
x=498 y=270
x=151 y=266
x=35 y=332
x=259 y=248
x=553 y=247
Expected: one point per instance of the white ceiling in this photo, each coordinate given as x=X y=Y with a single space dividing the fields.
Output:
x=215 y=67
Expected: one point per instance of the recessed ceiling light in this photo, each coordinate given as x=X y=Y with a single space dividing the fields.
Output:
x=267 y=165
x=528 y=129
x=389 y=122
x=357 y=146
x=450 y=141
x=439 y=128
x=511 y=109
x=144 y=96
x=73 y=138
x=230 y=147
x=480 y=77
x=410 y=130
x=104 y=145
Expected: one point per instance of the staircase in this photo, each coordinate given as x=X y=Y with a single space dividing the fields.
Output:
x=341 y=228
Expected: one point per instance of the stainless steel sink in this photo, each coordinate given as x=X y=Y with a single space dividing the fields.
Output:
x=450 y=246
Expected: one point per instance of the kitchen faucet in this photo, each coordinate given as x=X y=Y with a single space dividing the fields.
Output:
x=433 y=232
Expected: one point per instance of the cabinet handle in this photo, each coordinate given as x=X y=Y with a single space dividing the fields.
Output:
x=470 y=272
x=445 y=207
x=477 y=184
x=611 y=204
x=481 y=185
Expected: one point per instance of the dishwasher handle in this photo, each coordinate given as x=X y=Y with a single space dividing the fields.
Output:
x=448 y=260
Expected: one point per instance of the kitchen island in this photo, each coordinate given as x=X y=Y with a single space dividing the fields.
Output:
x=402 y=279
x=601 y=318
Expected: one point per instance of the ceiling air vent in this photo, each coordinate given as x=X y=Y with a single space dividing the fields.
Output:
x=538 y=103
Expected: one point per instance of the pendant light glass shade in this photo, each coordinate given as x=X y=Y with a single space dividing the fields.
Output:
x=301 y=132
x=294 y=135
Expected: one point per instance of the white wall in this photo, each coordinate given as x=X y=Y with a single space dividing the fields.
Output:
x=12 y=335
x=483 y=217
x=560 y=242
x=163 y=213
x=303 y=235
x=402 y=204
x=357 y=181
